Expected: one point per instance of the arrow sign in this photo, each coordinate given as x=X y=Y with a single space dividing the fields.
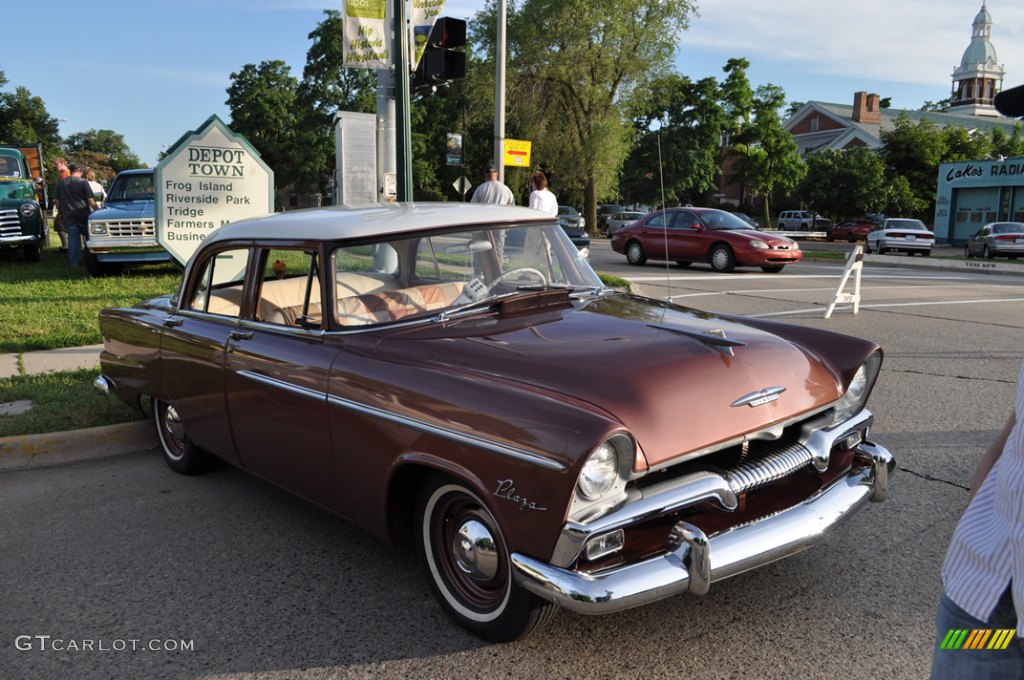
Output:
x=517 y=152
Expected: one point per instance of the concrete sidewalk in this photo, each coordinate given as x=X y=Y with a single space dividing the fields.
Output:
x=42 y=450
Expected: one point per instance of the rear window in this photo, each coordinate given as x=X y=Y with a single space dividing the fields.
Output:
x=905 y=224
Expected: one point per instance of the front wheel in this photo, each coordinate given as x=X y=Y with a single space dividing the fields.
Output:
x=34 y=252
x=635 y=254
x=967 y=252
x=772 y=268
x=463 y=551
x=722 y=259
x=180 y=454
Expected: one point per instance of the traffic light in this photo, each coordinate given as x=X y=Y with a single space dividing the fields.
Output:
x=440 y=61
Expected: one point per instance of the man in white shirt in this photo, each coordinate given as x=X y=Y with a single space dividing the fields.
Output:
x=979 y=625
x=492 y=191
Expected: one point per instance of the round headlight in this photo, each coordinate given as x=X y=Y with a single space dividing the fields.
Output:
x=758 y=245
x=599 y=472
x=857 y=391
x=27 y=209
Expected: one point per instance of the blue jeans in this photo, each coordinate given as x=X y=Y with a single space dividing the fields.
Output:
x=75 y=234
x=977 y=664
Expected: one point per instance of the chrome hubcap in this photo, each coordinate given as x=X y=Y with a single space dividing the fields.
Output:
x=173 y=423
x=719 y=258
x=475 y=552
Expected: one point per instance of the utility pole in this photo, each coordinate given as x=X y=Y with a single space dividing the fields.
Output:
x=386 y=154
x=403 y=129
x=499 y=93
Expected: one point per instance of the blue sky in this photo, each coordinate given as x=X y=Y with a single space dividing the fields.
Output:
x=156 y=69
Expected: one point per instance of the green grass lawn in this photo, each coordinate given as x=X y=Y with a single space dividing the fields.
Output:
x=49 y=304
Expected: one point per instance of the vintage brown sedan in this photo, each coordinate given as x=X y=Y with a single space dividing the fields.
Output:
x=456 y=376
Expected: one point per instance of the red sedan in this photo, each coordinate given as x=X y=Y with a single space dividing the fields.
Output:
x=688 y=235
x=851 y=230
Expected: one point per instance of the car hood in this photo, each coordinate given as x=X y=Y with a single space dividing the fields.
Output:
x=124 y=210
x=659 y=372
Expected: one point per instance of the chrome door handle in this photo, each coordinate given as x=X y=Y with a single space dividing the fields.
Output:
x=172 y=321
x=240 y=335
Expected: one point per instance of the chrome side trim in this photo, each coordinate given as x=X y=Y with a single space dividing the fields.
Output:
x=104 y=384
x=422 y=426
x=286 y=386
x=696 y=560
x=447 y=433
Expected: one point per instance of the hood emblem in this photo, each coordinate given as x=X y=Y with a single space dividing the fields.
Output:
x=765 y=396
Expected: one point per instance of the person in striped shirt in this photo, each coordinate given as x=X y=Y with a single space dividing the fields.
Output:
x=983 y=575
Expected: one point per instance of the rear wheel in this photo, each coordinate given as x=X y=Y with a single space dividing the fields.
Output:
x=463 y=551
x=635 y=254
x=772 y=268
x=852 y=238
x=987 y=254
x=721 y=258
x=967 y=251
x=180 y=454
x=830 y=237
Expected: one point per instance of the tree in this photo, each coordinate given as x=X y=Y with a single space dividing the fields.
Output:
x=105 y=151
x=769 y=159
x=262 y=103
x=845 y=183
x=24 y=119
x=326 y=88
x=575 y=65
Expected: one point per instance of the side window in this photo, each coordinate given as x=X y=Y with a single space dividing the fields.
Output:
x=219 y=287
x=684 y=219
x=289 y=293
x=660 y=220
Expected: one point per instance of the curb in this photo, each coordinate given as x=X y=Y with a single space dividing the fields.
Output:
x=31 y=451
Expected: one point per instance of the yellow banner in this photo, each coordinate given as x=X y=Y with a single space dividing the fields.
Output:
x=517 y=152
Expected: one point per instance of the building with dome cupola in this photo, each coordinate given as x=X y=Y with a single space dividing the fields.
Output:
x=979 y=76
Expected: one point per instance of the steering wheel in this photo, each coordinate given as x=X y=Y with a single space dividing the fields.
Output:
x=518 y=270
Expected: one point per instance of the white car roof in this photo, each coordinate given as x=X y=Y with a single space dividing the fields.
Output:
x=354 y=222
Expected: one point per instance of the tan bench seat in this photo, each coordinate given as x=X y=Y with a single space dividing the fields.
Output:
x=392 y=305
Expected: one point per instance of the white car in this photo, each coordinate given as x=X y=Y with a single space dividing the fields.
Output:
x=621 y=219
x=901 y=234
x=803 y=220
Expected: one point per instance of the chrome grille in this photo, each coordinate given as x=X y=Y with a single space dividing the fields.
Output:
x=10 y=225
x=753 y=474
x=131 y=228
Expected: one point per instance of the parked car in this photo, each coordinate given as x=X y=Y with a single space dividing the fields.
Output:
x=621 y=219
x=748 y=219
x=997 y=239
x=606 y=210
x=803 y=220
x=851 y=230
x=23 y=223
x=574 y=225
x=688 y=235
x=543 y=441
x=901 y=234
x=123 y=231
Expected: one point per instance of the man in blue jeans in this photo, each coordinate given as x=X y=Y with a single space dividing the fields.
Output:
x=983 y=575
x=75 y=201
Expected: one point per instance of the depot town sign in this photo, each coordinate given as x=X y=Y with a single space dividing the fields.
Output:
x=210 y=177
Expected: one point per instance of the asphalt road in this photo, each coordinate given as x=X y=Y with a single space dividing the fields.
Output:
x=255 y=583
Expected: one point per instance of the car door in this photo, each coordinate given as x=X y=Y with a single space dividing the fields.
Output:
x=276 y=376
x=978 y=240
x=655 y=234
x=688 y=240
x=192 y=350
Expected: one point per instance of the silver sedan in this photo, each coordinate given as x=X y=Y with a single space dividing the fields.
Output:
x=997 y=239
x=619 y=220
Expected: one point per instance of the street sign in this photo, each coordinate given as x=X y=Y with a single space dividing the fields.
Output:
x=517 y=152
x=462 y=185
x=453 y=149
x=390 y=186
x=210 y=177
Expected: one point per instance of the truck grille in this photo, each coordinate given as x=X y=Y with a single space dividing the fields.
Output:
x=131 y=228
x=10 y=225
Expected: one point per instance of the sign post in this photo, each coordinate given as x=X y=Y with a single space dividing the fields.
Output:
x=210 y=177
x=854 y=265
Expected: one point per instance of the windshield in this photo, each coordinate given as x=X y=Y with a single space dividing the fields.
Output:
x=567 y=210
x=428 y=274
x=1008 y=228
x=133 y=187
x=720 y=220
x=10 y=167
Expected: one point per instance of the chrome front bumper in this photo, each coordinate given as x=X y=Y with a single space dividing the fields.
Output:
x=699 y=560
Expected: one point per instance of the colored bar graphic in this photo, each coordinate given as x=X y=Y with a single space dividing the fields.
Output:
x=978 y=638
